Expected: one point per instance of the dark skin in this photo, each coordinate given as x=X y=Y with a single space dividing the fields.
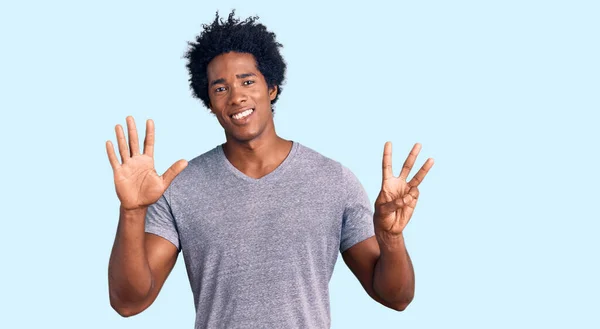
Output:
x=141 y=262
x=235 y=84
x=381 y=263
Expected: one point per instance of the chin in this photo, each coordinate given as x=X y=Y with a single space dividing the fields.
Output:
x=252 y=131
x=244 y=136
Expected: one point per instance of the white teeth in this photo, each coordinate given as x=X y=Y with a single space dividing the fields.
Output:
x=243 y=114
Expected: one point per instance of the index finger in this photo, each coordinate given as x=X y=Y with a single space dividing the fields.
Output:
x=387 y=161
x=149 y=139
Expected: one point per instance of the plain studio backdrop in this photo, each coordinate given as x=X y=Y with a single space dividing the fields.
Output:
x=503 y=94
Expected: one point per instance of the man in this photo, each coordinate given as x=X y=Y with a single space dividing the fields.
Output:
x=260 y=219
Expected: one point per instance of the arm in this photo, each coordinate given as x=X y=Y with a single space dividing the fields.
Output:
x=387 y=277
x=394 y=278
x=381 y=263
x=139 y=264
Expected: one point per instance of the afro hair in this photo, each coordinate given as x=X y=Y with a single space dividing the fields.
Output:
x=245 y=36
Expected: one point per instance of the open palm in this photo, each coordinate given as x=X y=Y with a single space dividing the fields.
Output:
x=136 y=181
x=397 y=200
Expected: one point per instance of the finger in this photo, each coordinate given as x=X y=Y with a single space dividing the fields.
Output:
x=394 y=205
x=173 y=171
x=410 y=161
x=412 y=203
x=134 y=145
x=415 y=181
x=122 y=143
x=387 y=161
x=390 y=207
x=414 y=192
x=409 y=210
x=149 y=139
x=112 y=156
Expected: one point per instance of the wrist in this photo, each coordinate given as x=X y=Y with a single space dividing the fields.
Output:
x=133 y=213
x=390 y=242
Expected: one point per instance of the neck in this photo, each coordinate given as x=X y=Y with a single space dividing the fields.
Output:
x=254 y=151
x=259 y=156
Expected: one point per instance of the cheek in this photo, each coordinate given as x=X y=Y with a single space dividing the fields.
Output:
x=216 y=104
x=262 y=93
x=216 y=111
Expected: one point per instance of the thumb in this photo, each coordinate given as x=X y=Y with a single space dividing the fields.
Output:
x=173 y=171
x=408 y=200
x=392 y=206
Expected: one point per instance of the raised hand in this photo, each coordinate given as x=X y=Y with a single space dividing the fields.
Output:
x=136 y=181
x=397 y=200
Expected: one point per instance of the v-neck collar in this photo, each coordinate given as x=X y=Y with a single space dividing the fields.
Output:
x=272 y=175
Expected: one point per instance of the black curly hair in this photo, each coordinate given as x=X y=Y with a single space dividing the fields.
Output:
x=245 y=36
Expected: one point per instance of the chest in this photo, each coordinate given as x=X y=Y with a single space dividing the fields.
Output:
x=265 y=224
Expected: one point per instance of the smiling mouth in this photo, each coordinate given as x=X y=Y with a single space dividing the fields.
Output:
x=242 y=115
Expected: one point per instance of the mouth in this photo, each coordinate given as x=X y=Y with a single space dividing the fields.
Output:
x=242 y=116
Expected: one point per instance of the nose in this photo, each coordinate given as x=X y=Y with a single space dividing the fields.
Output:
x=237 y=95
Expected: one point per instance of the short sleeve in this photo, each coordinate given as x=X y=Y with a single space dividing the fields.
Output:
x=357 y=224
x=160 y=221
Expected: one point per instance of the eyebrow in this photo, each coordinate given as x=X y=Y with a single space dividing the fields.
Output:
x=239 y=76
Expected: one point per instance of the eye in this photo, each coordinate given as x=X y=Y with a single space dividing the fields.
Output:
x=219 y=89
x=248 y=82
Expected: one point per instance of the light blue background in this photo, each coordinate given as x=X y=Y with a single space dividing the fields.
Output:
x=503 y=94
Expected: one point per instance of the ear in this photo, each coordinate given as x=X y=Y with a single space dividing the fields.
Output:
x=273 y=92
x=211 y=109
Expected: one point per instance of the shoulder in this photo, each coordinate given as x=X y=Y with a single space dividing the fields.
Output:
x=318 y=161
x=198 y=169
x=206 y=159
x=311 y=158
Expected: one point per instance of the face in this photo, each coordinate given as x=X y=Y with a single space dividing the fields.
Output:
x=239 y=96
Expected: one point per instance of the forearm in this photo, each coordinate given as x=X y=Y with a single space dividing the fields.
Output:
x=130 y=277
x=393 y=277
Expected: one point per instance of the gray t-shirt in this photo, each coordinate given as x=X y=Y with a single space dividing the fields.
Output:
x=259 y=253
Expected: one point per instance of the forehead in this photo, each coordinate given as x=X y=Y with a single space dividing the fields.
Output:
x=230 y=64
